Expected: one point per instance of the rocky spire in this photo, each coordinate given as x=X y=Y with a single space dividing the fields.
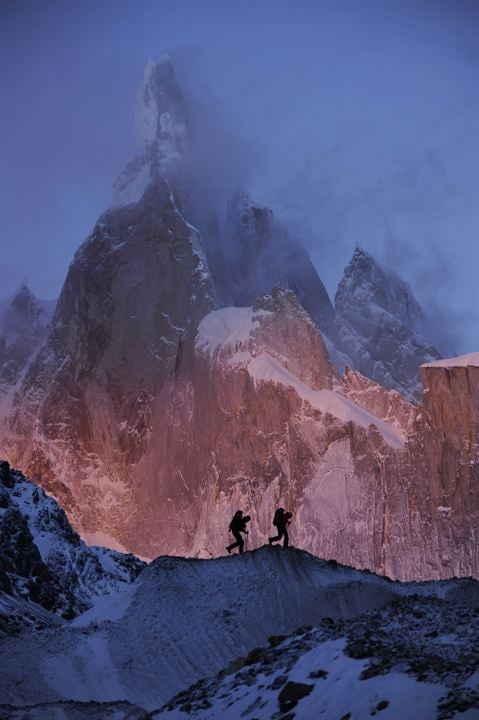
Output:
x=385 y=288
x=162 y=132
x=377 y=324
x=24 y=323
x=160 y=114
x=260 y=254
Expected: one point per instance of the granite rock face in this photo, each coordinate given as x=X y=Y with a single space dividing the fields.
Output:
x=124 y=323
x=24 y=322
x=152 y=414
x=379 y=324
x=359 y=466
x=259 y=254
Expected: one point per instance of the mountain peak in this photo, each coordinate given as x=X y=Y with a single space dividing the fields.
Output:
x=152 y=64
x=243 y=212
x=23 y=301
x=23 y=289
x=161 y=126
x=363 y=275
x=361 y=259
x=160 y=109
x=239 y=202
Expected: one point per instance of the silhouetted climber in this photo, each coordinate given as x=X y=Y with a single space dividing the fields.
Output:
x=238 y=526
x=281 y=520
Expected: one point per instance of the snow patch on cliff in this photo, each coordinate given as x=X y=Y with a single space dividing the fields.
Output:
x=469 y=360
x=267 y=369
x=132 y=188
x=229 y=327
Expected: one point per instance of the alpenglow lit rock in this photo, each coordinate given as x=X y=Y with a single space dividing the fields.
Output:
x=125 y=323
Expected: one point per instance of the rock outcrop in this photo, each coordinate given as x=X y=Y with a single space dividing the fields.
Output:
x=44 y=561
x=259 y=254
x=357 y=465
x=24 y=322
x=379 y=324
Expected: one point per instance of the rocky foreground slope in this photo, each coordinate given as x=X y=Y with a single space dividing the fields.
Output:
x=44 y=564
x=272 y=633
x=407 y=660
x=224 y=633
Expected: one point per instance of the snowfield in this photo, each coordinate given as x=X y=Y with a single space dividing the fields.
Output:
x=338 y=693
x=227 y=328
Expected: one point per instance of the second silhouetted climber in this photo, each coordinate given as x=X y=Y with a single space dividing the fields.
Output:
x=281 y=521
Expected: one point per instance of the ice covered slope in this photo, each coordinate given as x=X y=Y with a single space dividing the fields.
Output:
x=379 y=324
x=43 y=560
x=185 y=619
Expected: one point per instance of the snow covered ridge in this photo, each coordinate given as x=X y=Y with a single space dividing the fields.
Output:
x=230 y=332
x=229 y=627
x=469 y=360
x=44 y=560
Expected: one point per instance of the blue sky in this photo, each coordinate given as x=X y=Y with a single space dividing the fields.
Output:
x=357 y=122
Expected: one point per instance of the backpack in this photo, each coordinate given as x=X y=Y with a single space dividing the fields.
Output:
x=278 y=517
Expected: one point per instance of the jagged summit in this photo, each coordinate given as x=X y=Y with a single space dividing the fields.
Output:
x=21 y=291
x=22 y=296
x=24 y=321
x=260 y=254
x=242 y=204
x=161 y=126
x=160 y=110
x=364 y=274
x=379 y=324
